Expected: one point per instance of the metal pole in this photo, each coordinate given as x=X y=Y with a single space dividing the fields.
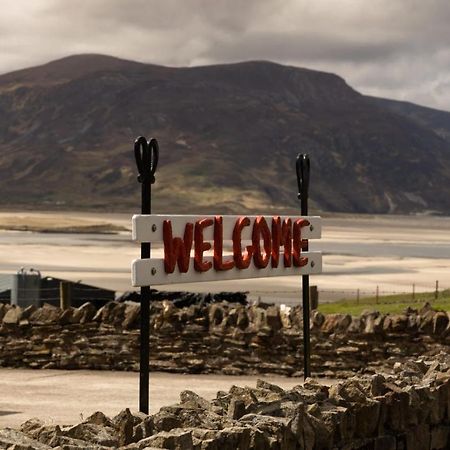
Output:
x=303 y=169
x=146 y=154
x=436 y=290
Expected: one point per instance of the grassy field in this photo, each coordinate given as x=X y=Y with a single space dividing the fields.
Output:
x=387 y=304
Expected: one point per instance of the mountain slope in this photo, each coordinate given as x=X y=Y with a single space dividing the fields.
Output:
x=228 y=134
x=434 y=119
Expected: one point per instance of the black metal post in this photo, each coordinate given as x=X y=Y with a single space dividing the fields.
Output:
x=146 y=154
x=303 y=169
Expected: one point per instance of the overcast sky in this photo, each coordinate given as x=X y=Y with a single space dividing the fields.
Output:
x=390 y=48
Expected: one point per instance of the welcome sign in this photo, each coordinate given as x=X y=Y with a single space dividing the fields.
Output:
x=213 y=248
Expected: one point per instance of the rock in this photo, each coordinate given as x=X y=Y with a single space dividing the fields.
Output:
x=13 y=315
x=232 y=438
x=336 y=323
x=143 y=429
x=216 y=314
x=26 y=313
x=3 y=310
x=66 y=316
x=36 y=429
x=378 y=385
x=98 y=418
x=243 y=393
x=92 y=433
x=10 y=437
x=349 y=391
x=85 y=313
x=176 y=439
x=46 y=315
x=124 y=423
x=166 y=420
x=131 y=315
x=440 y=323
x=262 y=384
x=236 y=409
x=273 y=319
x=194 y=400
x=104 y=314
x=317 y=319
x=440 y=437
x=302 y=428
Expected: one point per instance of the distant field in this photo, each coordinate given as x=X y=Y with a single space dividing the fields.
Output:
x=394 y=304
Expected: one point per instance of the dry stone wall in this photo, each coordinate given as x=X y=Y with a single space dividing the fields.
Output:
x=224 y=337
x=406 y=411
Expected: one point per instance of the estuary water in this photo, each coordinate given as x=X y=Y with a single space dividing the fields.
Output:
x=359 y=252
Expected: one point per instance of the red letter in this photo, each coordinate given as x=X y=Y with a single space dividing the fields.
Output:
x=299 y=243
x=177 y=249
x=219 y=263
x=241 y=261
x=200 y=246
x=260 y=229
x=281 y=236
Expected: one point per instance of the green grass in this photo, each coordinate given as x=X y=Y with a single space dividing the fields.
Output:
x=393 y=304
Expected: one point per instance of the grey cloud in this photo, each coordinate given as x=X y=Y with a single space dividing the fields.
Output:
x=393 y=48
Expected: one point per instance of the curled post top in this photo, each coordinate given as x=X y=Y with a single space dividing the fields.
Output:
x=146 y=154
x=303 y=167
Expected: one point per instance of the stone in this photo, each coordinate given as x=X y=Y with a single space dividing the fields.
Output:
x=10 y=437
x=85 y=313
x=440 y=437
x=46 y=315
x=124 y=423
x=336 y=323
x=273 y=319
x=98 y=418
x=236 y=409
x=143 y=429
x=440 y=323
x=13 y=315
x=36 y=429
x=216 y=314
x=317 y=319
x=348 y=391
x=385 y=443
x=378 y=385
x=263 y=384
x=243 y=393
x=176 y=439
x=92 y=433
x=66 y=316
x=418 y=438
x=26 y=313
x=166 y=420
x=303 y=429
x=193 y=399
x=131 y=315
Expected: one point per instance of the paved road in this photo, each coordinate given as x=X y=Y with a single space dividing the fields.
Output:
x=64 y=397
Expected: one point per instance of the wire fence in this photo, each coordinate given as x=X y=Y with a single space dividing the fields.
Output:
x=376 y=294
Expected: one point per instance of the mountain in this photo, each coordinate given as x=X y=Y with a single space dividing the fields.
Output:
x=228 y=135
x=434 y=119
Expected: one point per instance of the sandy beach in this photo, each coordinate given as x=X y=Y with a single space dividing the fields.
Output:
x=360 y=252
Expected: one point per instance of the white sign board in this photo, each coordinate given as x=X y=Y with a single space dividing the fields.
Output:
x=211 y=248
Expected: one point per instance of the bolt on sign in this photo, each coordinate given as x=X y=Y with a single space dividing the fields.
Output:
x=214 y=248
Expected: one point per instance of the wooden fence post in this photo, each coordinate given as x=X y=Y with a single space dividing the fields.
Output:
x=65 y=294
